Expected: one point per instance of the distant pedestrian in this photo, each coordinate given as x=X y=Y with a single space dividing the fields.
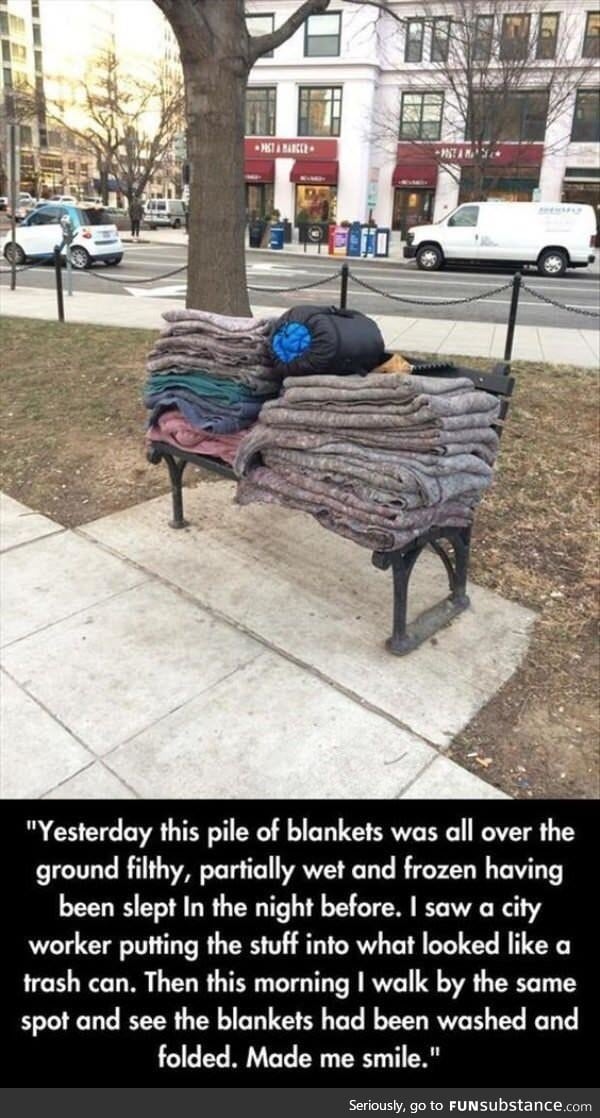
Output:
x=136 y=212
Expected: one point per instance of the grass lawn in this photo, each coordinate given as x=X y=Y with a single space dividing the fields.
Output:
x=72 y=447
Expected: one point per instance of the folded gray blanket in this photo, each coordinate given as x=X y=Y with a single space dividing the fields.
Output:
x=483 y=442
x=334 y=512
x=385 y=419
x=219 y=321
x=260 y=378
x=389 y=385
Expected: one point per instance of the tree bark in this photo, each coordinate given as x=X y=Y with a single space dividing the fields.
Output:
x=215 y=94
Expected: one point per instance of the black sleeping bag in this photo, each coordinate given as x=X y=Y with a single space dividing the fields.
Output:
x=310 y=340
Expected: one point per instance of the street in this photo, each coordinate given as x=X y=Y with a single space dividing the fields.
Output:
x=269 y=274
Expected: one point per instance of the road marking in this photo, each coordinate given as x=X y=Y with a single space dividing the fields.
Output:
x=175 y=290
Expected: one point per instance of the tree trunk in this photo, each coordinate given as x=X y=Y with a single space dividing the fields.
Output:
x=215 y=94
x=104 y=185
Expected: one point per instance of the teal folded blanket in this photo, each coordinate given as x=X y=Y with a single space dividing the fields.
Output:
x=212 y=388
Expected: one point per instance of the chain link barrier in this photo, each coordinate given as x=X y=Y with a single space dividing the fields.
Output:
x=561 y=306
x=429 y=302
x=148 y=279
x=27 y=267
x=300 y=286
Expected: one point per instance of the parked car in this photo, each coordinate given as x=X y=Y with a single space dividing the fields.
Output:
x=95 y=237
x=119 y=216
x=3 y=202
x=552 y=235
x=164 y=212
x=64 y=198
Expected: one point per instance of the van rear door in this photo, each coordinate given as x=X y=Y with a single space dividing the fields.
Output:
x=460 y=240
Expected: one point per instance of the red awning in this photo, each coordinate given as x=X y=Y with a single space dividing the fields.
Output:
x=319 y=172
x=259 y=170
x=415 y=174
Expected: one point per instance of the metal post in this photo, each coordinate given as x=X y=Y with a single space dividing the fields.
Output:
x=512 y=316
x=59 y=290
x=69 y=272
x=13 y=203
x=344 y=288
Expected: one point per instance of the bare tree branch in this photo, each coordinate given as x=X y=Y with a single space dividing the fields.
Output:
x=262 y=44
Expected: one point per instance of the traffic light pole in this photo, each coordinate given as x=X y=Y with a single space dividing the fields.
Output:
x=12 y=143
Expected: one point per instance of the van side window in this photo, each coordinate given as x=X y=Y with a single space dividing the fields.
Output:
x=467 y=215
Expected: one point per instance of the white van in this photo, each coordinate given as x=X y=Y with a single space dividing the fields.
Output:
x=164 y=211
x=553 y=236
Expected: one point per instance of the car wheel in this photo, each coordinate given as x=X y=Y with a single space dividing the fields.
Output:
x=80 y=257
x=19 y=254
x=552 y=262
x=177 y=223
x=429 y=258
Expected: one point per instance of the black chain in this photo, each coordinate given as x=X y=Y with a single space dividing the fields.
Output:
x=561 y=306
x=300 y=287
x=26 y=267
x=148 y=279
x=429 y=302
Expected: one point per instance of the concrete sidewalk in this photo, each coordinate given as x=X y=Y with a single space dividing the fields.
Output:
x=241 y=657
x=406 y=333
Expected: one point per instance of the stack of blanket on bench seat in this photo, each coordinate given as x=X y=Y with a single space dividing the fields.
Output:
x=208 y=377
x=379 y=459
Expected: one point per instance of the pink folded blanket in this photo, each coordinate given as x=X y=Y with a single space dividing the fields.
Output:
x=171 y=427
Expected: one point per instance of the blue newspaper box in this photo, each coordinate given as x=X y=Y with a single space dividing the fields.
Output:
x=277 y=236
x=382 y=242
x=367 y=240
x=354 y=239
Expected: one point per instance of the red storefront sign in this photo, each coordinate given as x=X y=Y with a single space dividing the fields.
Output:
x=272 y=147
x=463 y=154
x=319 y=173
x=259 y=170
x=415 y=174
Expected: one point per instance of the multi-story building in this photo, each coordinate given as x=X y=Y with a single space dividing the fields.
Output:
x=51 y=46
x=355 y=114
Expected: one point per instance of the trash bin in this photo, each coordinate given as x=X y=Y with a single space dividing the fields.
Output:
x=276 y=238
x=354 y=239
x=256 y=231
x=338 y=240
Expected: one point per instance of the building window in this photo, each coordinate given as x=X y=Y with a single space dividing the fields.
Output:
x=512 y=117
x=591 y=41
x=260 y=110
x=547 y=35
x=5 y=50
x=26 y=134
x=586 y=122
x=515 y=37
x=7 y=77
x=19 y=53
x=37 y=35
x=440 y=40
x=413 y=48
x=17 y=26
x=482 y=39
x=261 y=25
x=3 y=23
x=322 y=35
x=315 y=204
x=320 y=110
x=421 y=116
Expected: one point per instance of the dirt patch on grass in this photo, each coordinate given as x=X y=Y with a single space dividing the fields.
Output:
x=72 y=448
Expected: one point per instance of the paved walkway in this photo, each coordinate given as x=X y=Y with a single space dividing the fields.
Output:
x=412 y=335
x=241 y=657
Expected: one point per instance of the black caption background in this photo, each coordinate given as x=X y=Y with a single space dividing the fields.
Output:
x=477 y=1058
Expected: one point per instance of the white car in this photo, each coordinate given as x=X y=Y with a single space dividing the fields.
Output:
x=94 y=238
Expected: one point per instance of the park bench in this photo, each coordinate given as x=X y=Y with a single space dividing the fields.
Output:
x=451 y=545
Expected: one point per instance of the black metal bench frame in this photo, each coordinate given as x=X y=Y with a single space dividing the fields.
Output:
x=451 y=545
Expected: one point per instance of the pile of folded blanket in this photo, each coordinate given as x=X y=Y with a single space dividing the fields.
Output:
x=378 y=458
x=208 y=377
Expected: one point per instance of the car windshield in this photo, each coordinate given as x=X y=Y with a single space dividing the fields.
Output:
x=94 y=215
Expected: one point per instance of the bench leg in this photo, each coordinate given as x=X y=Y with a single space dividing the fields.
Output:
x=175 y=468
x=407 y=637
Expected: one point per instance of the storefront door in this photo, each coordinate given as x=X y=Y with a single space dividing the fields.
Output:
x=259 y=200
x=411 y=207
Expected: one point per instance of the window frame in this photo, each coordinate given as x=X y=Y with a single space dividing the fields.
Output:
x=521 y=96
x=554 y=37
x=505 y=41
x=262 y=15
x=588 y=139
x=268 y=89
x=587 y=38
x=452 y=224
x=421 y=95
x=434 y=23
x=407 y=42
x=308 y=36
x=332 y=89
x=488 y=40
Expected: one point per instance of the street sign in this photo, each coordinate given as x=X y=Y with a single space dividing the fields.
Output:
x=180 y=146
x=372 y=195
